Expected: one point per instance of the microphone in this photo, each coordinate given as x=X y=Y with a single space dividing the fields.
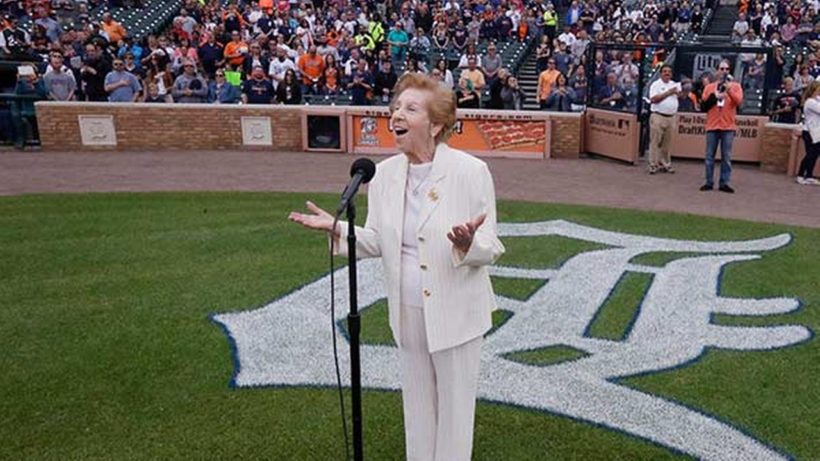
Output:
x=361 y=172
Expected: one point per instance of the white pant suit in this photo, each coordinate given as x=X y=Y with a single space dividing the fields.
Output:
x=440 y=300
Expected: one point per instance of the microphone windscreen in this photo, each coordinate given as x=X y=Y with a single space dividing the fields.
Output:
x=366 y=167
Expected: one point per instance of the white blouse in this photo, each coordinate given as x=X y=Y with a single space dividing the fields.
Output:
x=414 y=194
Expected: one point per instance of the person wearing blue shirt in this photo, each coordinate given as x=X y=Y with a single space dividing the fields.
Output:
x=129 y=46
x=222 y=92
x=121 y=85
x=398 y=40
x=257 y=89
x=611 y=95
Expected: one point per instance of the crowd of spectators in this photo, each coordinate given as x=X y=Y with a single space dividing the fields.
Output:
x=279 y=51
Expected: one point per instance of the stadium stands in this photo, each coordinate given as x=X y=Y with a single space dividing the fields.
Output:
x=515 y=26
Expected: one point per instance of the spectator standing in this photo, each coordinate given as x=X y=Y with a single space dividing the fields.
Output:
x=545 y=82
x=495 y=89
x=28 y=84
x=578 y=83
x=512 y=96
x=236 y=50
x=114 y=31
x=185 y=23
x=474 y=75
x=740 y=27
x=189 y=87
x=491 y=64
x=153 y=96
x=720 y=101
x=280 y=65
x=184 y=52
x=562 y=59
x=811 y=135
x=420 y=46
x=289 y=91
x=687 y=100
x=663 y=94
x=611 y=95
x=211 y=55
x=361 y=85
x=93 y=72
x=466 y=96
x=471 y=52
x=222 y=92
x=787 y=105
x=311 y=66
x=562 y=96
x=550 y=21
x=50 y=26
x=441 y=38
x=446 y=74
x=154 y=51
x=385 y=80
x=121 y=85
x=567 y=37
x=257 y=89
x=398 y=41
x=332 y=76
x=626 y=70
x=255 y=58
x=14 y=40
x=579 y=46
x=60 y=83
x=542 y=54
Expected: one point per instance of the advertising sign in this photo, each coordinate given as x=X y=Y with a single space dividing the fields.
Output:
x=485 y=133
x=689 y=137
x=611 y=134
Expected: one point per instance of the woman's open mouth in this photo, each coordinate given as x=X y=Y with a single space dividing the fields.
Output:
x=400 y=131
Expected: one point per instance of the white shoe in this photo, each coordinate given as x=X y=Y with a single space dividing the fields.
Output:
x=801 y=180
x=811 y=181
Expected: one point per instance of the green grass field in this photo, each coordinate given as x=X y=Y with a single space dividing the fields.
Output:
x=109 y=353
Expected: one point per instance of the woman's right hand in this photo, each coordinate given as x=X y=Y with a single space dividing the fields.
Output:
x=319 y=219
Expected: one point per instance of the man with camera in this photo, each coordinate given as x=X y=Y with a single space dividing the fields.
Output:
x=721 y=99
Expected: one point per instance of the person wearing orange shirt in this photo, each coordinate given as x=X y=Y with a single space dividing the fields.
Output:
x=721 y=99
x=545 y=82
x=114 y=30
x=236 y=50
x=311 y=66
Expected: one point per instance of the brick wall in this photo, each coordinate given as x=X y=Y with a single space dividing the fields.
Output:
x=566 y=135
x=777 y=145
x=208 y=127
x=167 y=126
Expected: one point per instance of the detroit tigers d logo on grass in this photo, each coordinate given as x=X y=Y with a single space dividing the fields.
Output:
x=287 y=342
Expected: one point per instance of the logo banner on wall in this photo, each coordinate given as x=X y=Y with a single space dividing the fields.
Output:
x=478 y=132
x=611 y=134
x=689 y=137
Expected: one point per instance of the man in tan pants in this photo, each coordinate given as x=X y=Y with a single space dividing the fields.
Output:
x=663 y=94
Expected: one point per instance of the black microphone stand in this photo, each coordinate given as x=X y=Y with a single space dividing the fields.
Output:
x=354 y=328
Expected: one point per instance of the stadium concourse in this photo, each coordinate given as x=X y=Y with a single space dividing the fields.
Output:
x=762 y=197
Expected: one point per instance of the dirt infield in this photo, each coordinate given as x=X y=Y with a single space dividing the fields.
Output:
x=761 y=197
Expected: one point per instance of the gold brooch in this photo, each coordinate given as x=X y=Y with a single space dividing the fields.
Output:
x=433 y=195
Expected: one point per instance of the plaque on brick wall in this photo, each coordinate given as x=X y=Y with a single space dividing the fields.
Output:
x=97 y=130
x=256 y=131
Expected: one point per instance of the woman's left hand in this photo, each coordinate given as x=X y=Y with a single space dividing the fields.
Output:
x=462 y=235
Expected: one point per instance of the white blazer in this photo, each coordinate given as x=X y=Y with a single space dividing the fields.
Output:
x=458 y=296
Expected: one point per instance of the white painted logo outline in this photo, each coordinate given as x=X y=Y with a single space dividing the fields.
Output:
x=285 y=343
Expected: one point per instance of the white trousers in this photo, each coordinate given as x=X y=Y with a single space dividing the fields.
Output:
x=438 y=393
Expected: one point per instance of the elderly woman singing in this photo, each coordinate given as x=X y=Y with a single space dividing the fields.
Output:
x=431 y=218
